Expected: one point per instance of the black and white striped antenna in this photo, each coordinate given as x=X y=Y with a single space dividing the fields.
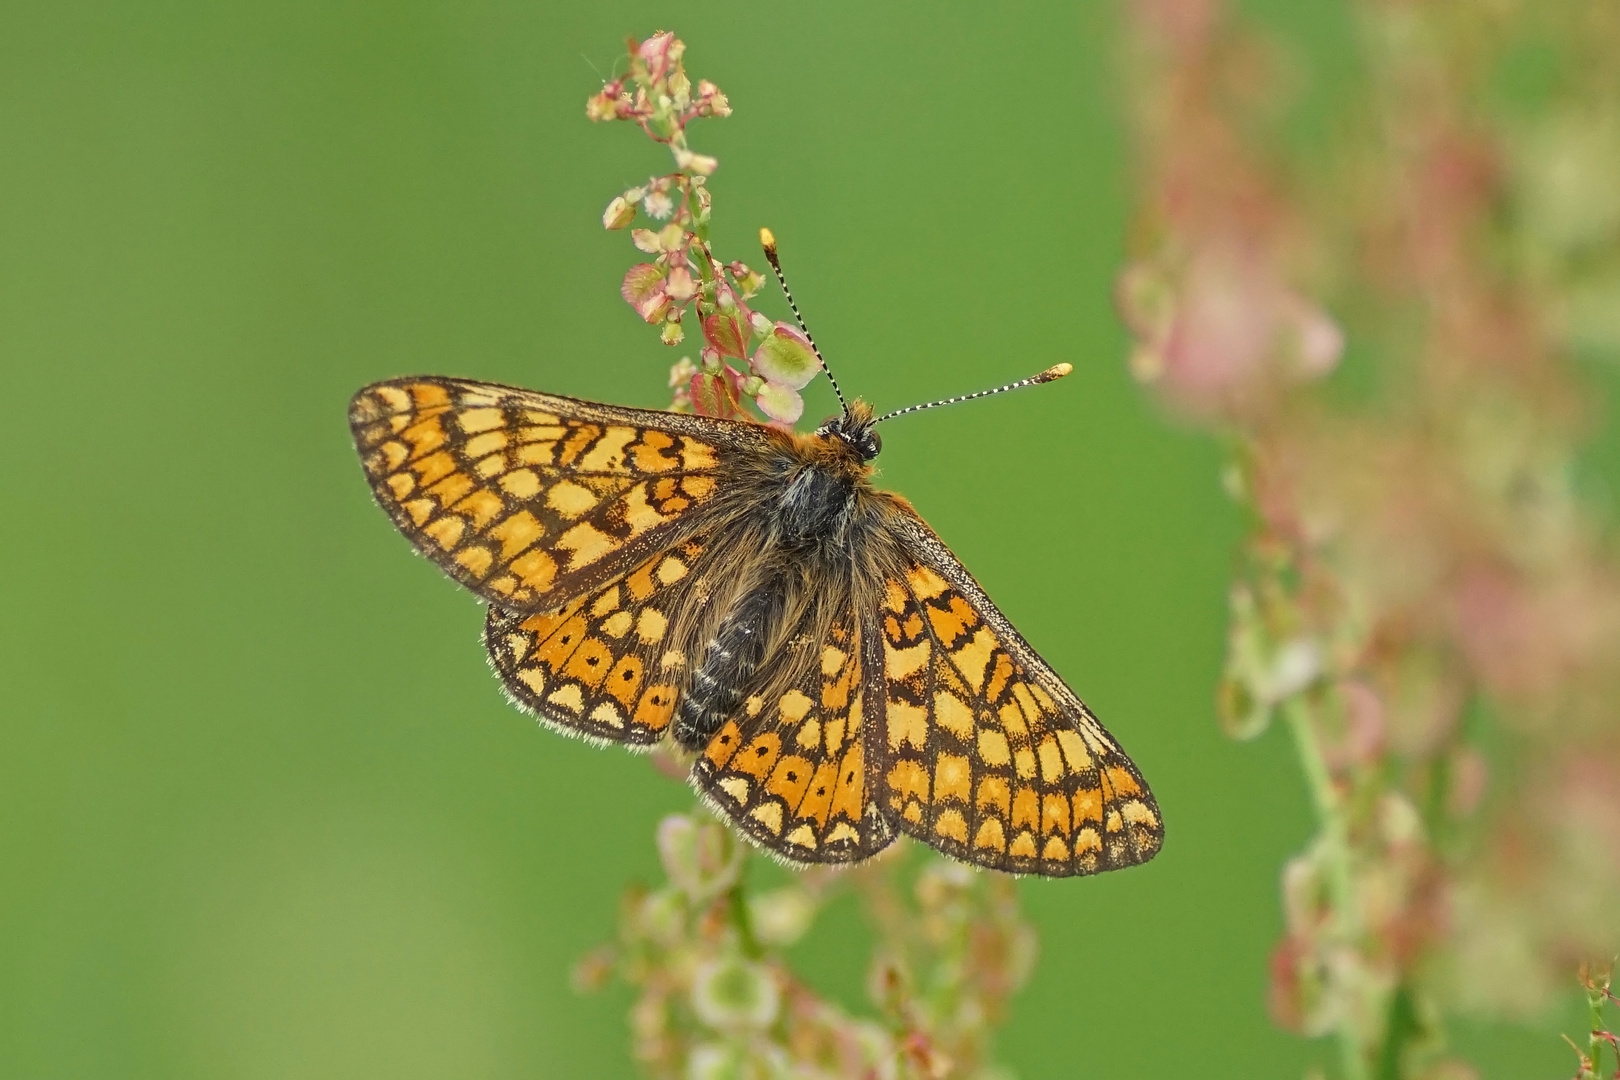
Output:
x=1057 y=371
x=767 y=240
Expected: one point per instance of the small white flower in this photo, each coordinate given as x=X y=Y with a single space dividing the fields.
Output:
x=658 y=205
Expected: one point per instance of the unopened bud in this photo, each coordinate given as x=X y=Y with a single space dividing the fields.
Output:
x=618 y=214
x=603 y=106
x=671 y=236
x=702 y=164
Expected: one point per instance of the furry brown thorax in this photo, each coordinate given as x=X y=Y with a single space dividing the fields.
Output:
x=824 y=534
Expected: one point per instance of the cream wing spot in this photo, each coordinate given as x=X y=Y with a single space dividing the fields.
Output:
x=587 y=544
x=570 y=499
x=768 y=814
x=606 y=714
x=973 y=658
x=520 y=484
x=568 y=697
x=898 y=664
x=953 y=715
x=473 y=421
x=794 y=706
x=803 y=837
x=650 y=626
x=608 y=453
x=671 y=570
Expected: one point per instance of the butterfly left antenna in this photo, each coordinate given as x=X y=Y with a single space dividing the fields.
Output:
x=767 y=240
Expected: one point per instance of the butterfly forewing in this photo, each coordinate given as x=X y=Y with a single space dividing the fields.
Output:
x=528 y=499
x=989 y=756
x=602 y=667
x=794 y=772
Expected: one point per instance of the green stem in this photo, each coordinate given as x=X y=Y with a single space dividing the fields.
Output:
x=737 y=901
x=1331 y=819
x=1594 y=1045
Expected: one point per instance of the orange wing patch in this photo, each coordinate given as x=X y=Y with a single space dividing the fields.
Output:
x=602 y=667
x=792 y=773
x=524 y=498
x=986 y=764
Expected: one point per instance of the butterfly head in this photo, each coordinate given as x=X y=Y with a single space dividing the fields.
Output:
x=853 y=428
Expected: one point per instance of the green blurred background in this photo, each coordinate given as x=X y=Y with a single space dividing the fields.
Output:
x=263 y=812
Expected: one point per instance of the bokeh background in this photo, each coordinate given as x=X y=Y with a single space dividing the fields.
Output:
x=263 y=812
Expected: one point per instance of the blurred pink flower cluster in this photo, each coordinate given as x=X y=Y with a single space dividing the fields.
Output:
x=716 y=999
x=1424 y=597
x=684 y=277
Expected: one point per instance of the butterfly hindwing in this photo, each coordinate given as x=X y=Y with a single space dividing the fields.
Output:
x=793 y=773
x=529 y=499
x=601 y=667
x=989 y=757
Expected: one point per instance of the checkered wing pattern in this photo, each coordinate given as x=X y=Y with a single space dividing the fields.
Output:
x=987 y=755
x=532 y=500
x=602 y=667
x=793 y=772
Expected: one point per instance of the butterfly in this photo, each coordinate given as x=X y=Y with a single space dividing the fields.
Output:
x=836 y=675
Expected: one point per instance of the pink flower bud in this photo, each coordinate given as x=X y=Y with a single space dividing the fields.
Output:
x=711 y=102
x=785 y=357
x=655 y=53
x=680 y=285
x=603 y=106
x=710 y=358
x=645 y=240
x=619 y=213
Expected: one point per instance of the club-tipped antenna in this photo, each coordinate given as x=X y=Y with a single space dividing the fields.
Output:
x=767 y=240
x=1057 y=371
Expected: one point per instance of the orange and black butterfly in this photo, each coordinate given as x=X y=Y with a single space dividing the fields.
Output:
x=838 y=675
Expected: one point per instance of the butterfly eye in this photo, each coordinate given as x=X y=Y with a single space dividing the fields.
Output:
x=874 y=444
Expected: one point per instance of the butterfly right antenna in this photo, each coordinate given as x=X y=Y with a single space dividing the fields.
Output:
x=767 y=240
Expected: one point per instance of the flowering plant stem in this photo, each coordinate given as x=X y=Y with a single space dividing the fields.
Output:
x=705 y=949
x=1333 y=823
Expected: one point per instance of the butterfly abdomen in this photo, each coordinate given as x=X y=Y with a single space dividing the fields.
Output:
x=729 y=661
